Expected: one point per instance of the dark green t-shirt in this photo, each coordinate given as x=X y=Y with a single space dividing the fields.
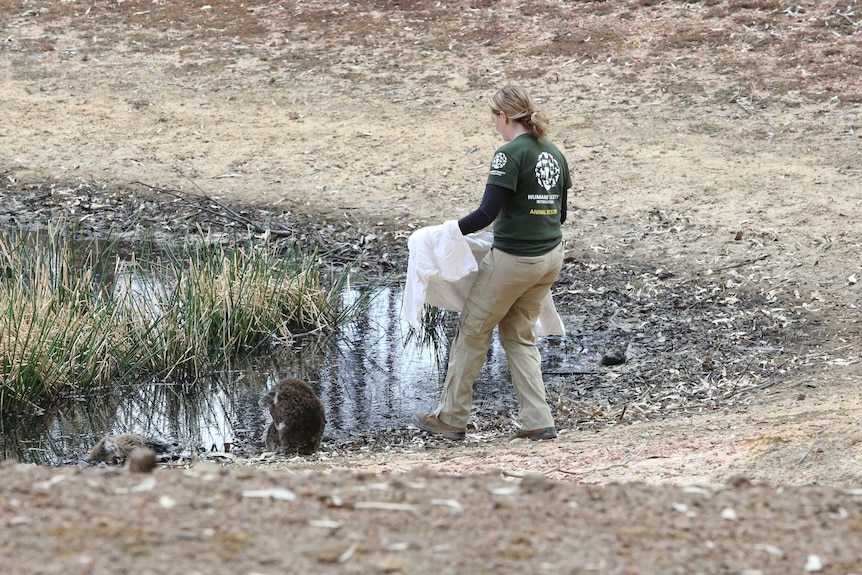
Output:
x=538 y=176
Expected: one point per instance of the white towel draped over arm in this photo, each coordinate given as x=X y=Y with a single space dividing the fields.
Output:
x=441 y=267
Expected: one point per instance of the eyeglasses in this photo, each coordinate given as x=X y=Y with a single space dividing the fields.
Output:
x=496 y=112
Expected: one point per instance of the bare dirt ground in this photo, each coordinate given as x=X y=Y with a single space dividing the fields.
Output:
x=715 y=139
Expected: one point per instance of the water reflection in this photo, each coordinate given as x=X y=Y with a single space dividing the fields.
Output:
x=370 y=376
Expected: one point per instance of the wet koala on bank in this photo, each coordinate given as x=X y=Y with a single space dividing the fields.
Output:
x=298 y=417
x=115 y=449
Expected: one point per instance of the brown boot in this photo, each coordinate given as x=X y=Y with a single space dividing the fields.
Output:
x=432 y=424
x=536 y=434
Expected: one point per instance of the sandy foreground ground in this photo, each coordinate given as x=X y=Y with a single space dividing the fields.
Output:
x=713 y=138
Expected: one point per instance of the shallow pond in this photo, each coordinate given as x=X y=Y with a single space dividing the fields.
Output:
x=692 y=344
x=371 y=376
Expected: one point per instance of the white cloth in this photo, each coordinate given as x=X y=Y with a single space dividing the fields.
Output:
x=441 y=267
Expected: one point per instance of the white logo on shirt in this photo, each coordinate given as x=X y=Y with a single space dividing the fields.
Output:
x=547 y=170
x=499 y=160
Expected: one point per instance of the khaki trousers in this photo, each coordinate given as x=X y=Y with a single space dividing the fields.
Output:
x=508 y=292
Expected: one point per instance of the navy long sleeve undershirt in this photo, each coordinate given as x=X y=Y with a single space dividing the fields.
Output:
x=492 y=203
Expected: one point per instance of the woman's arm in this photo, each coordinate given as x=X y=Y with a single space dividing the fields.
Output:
x=492 y=203
x=564 y=206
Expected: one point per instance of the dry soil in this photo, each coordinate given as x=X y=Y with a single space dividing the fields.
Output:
x=717 y=138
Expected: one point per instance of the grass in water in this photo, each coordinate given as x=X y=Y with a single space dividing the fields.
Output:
x=70 y=323
x=56 y=332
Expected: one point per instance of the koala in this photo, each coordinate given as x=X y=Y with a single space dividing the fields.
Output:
x=298 y=417
x=115 y=449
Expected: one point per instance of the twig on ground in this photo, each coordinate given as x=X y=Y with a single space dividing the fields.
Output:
x=741 y=101
x=226 y=213
x=581 y=472
x=810 y=448
x=604 y=468
x=741 y=264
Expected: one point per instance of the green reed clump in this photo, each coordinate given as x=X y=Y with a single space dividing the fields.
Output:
x=224 y=300
x=69 y=322
x=56 y=333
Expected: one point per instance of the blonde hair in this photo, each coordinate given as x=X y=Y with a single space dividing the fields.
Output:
x=515 y=102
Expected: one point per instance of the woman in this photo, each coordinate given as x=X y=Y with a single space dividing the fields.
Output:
x=525 y=198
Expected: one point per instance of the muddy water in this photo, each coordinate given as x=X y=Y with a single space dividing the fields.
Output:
x=371 y=376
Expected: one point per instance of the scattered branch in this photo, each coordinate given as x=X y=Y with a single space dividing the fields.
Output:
x=741 y=264
x=200 y=200
x=810 y=448
x=581 y=472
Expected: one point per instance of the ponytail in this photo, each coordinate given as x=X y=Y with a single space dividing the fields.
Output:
x=515 y=102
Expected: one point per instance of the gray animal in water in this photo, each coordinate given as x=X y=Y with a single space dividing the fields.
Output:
x=298 y=417
x=115 y=449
